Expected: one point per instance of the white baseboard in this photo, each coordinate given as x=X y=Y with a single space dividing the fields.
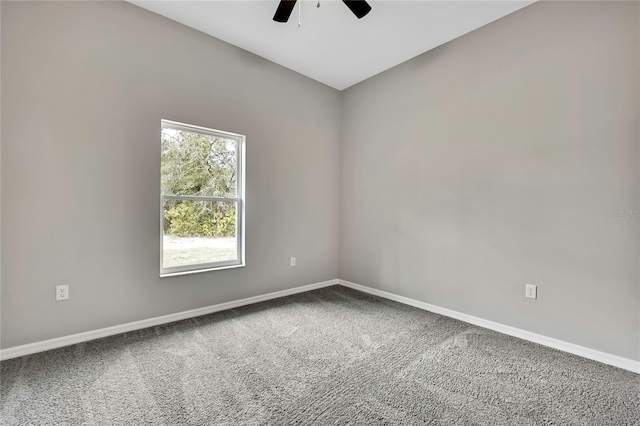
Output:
x=31 y=348
x=46 y=345
x=616 y=361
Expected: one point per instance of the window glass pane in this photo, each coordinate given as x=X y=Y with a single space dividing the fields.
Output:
x=197 y=232
x=198 y=164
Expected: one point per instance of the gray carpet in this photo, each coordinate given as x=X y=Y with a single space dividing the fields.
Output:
x=330 y=356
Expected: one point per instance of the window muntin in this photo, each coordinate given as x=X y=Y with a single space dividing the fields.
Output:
x=202 y=205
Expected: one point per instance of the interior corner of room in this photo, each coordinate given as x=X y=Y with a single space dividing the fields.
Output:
x=507 y=156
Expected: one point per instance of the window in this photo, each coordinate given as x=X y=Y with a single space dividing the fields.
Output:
x=202 y=201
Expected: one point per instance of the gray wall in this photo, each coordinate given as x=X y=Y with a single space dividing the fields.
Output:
x=85 y=86
x=466 y=172
x=490 y=162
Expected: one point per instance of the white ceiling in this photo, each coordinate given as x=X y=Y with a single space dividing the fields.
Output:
x=332 y=46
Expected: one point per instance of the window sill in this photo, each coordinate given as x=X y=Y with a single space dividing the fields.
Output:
x=197 y=271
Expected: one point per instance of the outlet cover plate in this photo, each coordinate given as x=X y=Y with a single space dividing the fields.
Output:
x=62 y=292
x=531 y=291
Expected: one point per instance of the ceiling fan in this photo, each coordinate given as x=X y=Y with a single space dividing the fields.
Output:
x=359 y=8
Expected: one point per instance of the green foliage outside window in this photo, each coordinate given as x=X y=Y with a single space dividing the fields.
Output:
x=200 y=165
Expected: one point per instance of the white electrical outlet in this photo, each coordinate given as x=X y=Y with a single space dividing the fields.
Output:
x=62 y=292
x=531 y=291
x=293 y=261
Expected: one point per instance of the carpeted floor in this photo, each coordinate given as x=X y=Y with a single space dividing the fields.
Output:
x=330 y=356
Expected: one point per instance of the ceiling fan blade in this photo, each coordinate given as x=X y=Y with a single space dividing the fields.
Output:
x=359 y=7
x=284 y=10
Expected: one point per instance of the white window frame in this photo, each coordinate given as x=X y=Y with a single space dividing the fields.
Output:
x=238 y=199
